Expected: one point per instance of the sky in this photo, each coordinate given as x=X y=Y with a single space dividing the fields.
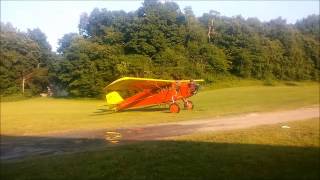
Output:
x=56 y=18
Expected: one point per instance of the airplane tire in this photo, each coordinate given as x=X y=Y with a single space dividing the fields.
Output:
x=174 y=108
x=188 y=105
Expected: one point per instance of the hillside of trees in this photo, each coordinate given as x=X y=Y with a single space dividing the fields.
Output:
x=158 y=40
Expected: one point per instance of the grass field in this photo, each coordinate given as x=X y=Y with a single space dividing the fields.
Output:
x=268 y=152
x=45 y=115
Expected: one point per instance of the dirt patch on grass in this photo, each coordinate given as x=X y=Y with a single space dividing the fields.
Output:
x=18 y=147
x=163 y=130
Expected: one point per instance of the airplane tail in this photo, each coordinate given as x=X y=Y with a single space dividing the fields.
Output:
x=113 y=98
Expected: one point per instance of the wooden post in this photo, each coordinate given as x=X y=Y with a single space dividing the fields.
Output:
x=210 y=30
x=23 y=82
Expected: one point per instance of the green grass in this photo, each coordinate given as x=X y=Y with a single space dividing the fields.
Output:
x=231 y=81
x=14 y=97
x=301 y=133
x=260 y=153
x=43 y=115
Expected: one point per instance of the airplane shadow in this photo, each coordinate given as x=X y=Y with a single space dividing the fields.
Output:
x=105 y=111
x=147 y=109
x=102 y=111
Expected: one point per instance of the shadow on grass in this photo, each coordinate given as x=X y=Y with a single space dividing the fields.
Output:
x=105 y=111
x=152 y=160
x=102 y=111
x=75 y=98
x=146 y=109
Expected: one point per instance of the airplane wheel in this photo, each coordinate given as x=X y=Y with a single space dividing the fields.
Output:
x=174 y=108
x=188 y=105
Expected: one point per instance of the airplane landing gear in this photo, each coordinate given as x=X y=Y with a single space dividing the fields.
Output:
x=188 y=105
x=174 y=108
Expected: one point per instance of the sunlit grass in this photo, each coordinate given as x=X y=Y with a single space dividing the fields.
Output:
x=42 y=115
x=300 y=133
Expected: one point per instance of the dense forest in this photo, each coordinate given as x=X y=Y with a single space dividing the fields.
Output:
x=158 y=40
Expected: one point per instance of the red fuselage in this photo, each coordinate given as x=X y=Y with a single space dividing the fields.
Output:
x=148 y=97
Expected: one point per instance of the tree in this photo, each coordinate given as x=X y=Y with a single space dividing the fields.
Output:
x=20 y=56
x=162 y=41
x=38 y=36
x=309 y=25
x=66 y=41
x=86 y=68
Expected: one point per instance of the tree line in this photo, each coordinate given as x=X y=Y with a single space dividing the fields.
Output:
x=158 y=40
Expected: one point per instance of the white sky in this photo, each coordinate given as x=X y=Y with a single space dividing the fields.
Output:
x=56 y=18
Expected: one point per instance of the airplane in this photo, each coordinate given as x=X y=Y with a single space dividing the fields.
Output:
x=143 y=92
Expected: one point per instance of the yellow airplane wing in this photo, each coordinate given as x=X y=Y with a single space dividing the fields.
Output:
x=133 y=83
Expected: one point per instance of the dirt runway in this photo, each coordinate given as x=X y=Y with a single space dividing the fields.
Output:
x=19 y=147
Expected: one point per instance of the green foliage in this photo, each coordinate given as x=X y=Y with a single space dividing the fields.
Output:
x=38 y=36
x=19 y=57
x=86 y=67
x=24 y=56
x=65 y=41
x=309 y=25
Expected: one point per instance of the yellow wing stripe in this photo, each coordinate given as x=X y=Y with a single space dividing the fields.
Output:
x=135 y=79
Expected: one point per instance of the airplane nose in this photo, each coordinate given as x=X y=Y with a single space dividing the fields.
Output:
x=197 y=86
